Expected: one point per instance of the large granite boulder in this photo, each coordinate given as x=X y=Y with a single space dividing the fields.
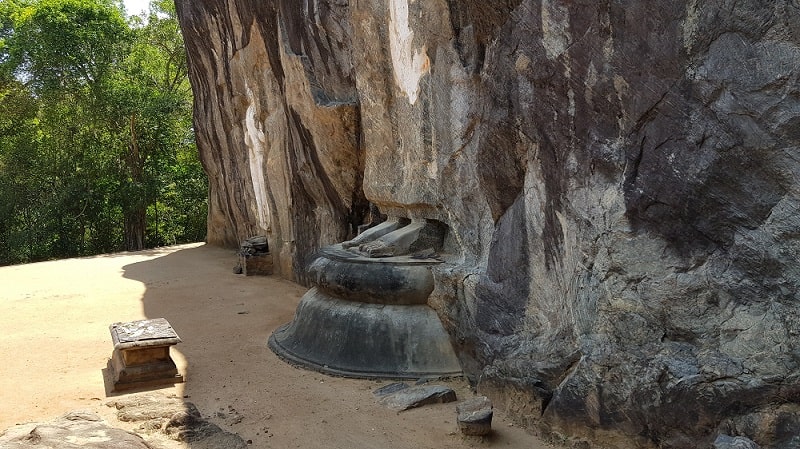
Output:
x=619 y=182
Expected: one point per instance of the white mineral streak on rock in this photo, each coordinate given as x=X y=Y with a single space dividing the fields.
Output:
x=555 y=29
x=535 y=200
x=591 y=82
x=97 y=436
x=409 y=65
x=522 y=64
x=255 y=140
x=571 y=98
x=690 y=24
x=622 y=88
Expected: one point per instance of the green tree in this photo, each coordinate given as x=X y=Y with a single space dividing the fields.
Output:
x=96 y=145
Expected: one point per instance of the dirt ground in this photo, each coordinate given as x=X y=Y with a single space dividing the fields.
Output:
x=55 y=344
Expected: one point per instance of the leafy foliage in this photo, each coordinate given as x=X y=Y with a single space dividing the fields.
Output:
x=97 y=152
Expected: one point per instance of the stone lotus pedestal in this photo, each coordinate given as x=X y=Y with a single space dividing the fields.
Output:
x=367 y=316
x=141 y=354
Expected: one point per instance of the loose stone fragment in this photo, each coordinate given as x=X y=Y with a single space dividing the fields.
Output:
x=417 y=396
x=475 y=416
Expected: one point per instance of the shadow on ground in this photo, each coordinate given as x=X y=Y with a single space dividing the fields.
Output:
x=224 y=321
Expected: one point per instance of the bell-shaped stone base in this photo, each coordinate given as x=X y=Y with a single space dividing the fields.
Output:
x=364 y=340
x=368 y=315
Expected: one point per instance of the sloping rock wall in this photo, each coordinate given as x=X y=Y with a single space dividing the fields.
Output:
x=282 y=150
x=619 y=181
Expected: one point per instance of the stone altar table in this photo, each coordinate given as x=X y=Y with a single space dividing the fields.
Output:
x=141 y=354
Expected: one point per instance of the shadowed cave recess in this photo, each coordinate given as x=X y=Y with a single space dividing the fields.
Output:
x=600 y=199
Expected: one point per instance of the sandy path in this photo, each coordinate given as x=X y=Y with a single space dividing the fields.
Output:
x=54 y=319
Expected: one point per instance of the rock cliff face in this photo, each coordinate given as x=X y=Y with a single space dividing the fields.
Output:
x=620 y=182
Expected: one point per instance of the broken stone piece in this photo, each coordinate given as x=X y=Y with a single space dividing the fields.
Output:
x=475 y=416
x=141 y=354
x=417 y=396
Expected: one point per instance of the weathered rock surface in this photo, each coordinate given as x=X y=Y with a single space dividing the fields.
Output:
x=728 y=442
x=175 y=419
x=160 y=420
x=138 y=408
x=73 y=430
x=619 y=182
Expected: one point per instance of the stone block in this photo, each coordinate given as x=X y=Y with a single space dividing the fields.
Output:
x=256 y=264
x=475 y=416
x=141 y=354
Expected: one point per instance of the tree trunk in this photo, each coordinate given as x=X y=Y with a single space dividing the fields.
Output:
x=135 y=214
x=135 y=221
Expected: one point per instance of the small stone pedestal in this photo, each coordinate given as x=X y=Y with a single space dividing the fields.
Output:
x=254 y=257
x=475 y=416
x=256 y=264
x=141 y=354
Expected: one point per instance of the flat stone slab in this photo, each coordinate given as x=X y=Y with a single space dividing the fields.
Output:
x=417 y=396
x=154 y=332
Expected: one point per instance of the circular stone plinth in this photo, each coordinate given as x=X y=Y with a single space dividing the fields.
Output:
x=363 y=340
x=385 y=280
